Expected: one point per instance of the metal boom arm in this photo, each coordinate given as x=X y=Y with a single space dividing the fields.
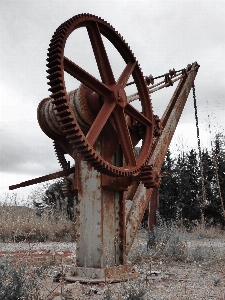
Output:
x=169 y=121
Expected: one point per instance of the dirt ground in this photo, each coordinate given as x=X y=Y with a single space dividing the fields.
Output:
x=160 y=277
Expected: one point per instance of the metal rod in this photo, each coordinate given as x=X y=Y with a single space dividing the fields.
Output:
x=159 y=88
x=151 y=90
x=153 y=86
x=132 y=82
x=43 y=178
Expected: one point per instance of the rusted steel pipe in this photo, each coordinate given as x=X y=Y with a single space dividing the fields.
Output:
x=43 y=178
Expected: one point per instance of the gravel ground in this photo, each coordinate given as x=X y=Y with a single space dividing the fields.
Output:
x=56 y=246
x=163 y=277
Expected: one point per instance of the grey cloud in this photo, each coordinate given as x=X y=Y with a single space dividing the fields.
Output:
x=26 y=153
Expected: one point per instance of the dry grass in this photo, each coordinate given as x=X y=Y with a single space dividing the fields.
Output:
x=205 y=231
x=20 y=223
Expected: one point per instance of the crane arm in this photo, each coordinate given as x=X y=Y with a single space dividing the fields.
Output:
x=169 y=121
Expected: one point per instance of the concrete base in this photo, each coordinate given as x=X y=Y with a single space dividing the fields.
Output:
x=96 y=275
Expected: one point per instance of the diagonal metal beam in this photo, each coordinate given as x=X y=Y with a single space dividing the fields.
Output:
x=170 y=120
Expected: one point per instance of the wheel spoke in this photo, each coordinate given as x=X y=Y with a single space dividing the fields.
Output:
x=101 y=57
x=135 y=114
x=86 y=78
x=126 y=73
x=99 y=122
x=124 y=136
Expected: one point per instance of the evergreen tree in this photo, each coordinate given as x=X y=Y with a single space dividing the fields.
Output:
x=168 y=192
x=210 y=208
x=209 y=175
x=220 y=161
x=219 y=188
x=188 y=181
x=180 y=192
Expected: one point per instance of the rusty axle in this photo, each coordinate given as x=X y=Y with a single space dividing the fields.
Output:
x=43 y=178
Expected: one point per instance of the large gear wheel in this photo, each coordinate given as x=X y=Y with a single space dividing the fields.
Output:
x=111 y=92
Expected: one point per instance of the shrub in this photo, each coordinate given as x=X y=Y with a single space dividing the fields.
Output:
x=199 y=254
x=17 y=283
x=167 y=240
x=134 y=291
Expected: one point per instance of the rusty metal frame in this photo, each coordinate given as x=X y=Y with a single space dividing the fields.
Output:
x=170 y=120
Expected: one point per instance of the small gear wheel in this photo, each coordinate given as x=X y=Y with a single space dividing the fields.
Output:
x=149 y=176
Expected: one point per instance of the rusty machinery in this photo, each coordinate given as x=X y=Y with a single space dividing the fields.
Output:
x=99 y=127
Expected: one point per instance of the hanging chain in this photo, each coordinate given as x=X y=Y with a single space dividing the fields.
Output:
x=199 y=152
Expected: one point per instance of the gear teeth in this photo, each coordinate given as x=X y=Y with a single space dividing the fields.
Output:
x=61 y=107
x=53 y=63
x=55 y=41
x=52 y=52
x=65 y=187
x=60 y=33
x=66 y=119
x=66 y=131
x=61 y=102
x=57 y=88
x=54 y=76
x=53 y=57
x=72 y=136
x=81 y=147
x=57 y=44
x=60 y=155
x=55 y=82
x=54 y=69
x=62 y=113
x=149 y=176
x=58 y=94
x=56 y=36
x=78 y=140
x=66 y=123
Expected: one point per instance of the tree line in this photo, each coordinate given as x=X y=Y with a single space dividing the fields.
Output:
x=188 y=194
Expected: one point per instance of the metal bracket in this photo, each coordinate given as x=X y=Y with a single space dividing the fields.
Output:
x=116 y=183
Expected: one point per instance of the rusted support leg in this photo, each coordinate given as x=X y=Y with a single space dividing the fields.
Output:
x=101 y=230
x=153 y=206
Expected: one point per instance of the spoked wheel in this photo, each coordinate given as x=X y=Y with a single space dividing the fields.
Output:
x=111 y=91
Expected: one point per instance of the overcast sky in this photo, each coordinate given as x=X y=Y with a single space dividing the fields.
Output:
x=162 y=35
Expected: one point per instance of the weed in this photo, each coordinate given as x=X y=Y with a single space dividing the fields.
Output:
x=216 y=281
x=167 y=240
x=133 y=291
x=202 y=231
x=17 y=282
x=108 y=295
x=128 y=291
x=199 y=254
